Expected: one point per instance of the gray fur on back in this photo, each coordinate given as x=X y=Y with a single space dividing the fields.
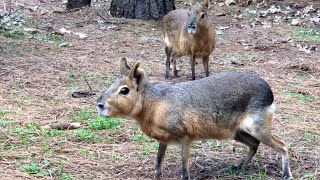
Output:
x=227 y=95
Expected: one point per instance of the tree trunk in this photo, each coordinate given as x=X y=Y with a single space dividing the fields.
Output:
x=141 y=9
x=73 y=4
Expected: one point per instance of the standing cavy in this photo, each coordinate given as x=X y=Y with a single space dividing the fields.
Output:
x=229 y=105
x=188 y=32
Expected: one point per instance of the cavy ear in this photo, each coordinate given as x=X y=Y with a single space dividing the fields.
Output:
x=124 y=68
x=137 y=75
x=205 y=4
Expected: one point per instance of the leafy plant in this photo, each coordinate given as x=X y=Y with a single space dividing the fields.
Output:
x=141 y=138
x=52 y=133
x=100 y=123
x=307 y=35
x=300 y=97
x=146 y=150
x=31 y=130
x=2 y=114
x=83 y=116
x=44 y=169
x=32 y=169
x=86 y=135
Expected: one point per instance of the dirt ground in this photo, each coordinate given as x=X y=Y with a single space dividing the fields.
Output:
x=46 y=54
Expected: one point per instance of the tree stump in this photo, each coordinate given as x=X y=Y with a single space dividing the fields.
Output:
x=73 y=4
x=141 y=9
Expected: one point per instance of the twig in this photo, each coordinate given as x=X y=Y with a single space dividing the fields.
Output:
x=5 y=7
x=104 y=18
x=88 y=84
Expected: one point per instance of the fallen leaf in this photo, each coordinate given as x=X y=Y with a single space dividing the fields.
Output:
x=315 y=19
x=64 y=31
x=31 y=30
x=230 y=2
x=219 y=32
x=81 y=35
x=306 y=48
x=308 y=9
x=65 y=44
x=223 y=27
x=295 y=22
x=273 y=10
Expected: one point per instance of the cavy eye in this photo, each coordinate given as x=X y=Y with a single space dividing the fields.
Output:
x=124 y=91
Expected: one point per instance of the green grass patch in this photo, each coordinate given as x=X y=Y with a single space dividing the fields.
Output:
x=83 y=115
x=310 y=176
x=140 y=137
x=310 y=137
x=295 y=84
x=116 y=157
x=32 y=169
x=86 y=135
x=241 y=59
x=44 y=168
x=47 y=149
x=307 y=35
x=3 y=123
x=21 y=31
x=31 y=130
x=299 y=97
x=65 y=176
x=153 y=147
x=53 y=133
x=100 y=123
x=2 y=114
x=14 y=34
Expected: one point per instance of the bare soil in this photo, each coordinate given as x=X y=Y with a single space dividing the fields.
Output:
x=40 y=71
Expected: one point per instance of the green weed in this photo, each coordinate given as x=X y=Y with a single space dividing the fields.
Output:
x=83 y=116
x=32 y=130
x=84 y=152
x=14 y=34
x=295 y=84
x=52 y=133
x=300 y=97
x=43 y=169
x=65 y=176
x=7 y=145
x=3 y=123
x=47 y=149
x=146 y=150
x=241 y=59
x=251 y=14
x=263 y=174
x=310 y=176
x=140 y=137
x=86 y=135
x=32 y=169
x=100 y=123
x=304 y=35
x=2 y=114
x=309 y=137
x=116 y=157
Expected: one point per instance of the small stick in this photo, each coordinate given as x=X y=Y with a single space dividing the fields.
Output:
x=88 y=84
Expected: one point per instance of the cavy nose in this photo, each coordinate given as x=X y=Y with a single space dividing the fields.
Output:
x=100 y=106
x=191 y=26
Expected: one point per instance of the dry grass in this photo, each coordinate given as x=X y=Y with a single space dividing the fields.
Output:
x=37 y=78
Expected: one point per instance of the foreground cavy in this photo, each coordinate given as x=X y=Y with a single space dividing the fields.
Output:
x=229 y=105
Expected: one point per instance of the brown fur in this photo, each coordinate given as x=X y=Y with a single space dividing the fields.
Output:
x=179 y=42
x=230 y=105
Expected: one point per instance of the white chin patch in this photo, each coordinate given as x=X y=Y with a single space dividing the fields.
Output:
x=103 y=113
x=191 y=31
